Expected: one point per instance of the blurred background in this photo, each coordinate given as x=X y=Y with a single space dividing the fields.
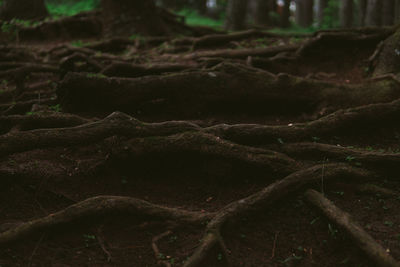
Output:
x=281 y=15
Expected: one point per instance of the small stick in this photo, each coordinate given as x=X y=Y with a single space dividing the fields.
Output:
x=100 y=240
x=274 y=245
x=157 y=251
x=35 y=249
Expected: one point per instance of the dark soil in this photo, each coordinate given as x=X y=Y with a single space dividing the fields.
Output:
x=56 y=150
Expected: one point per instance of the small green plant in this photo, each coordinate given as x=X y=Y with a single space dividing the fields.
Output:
x=293 y=257
x=332 y=231
x=7 y=27
x=88 y=239
x=77 y=43
x=56 y=108
x=340 y=193
x=314 y=220
x=389 y=223
x=350 y=158
x=173 y=239
x=219 y=256
x=30 y=113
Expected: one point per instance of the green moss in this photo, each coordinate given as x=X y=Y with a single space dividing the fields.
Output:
x=70 y=8
x=193 y=18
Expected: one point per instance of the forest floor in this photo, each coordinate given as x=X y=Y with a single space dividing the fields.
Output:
x=220 y=150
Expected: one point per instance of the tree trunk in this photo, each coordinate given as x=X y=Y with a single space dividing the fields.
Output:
x=285 y=14
x=138 y=17
x=22 y=9
x=362 y=5
x=321 y=9
x=346 y=13
x=201 y=6
x=173 y=4
x=388 y=12
x=396 y=11
x=304 y=12
x=236 y=15
x=388 y=60
x=374 y=13
x=261 y=15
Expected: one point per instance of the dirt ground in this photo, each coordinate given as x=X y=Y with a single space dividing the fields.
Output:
x=217 y=150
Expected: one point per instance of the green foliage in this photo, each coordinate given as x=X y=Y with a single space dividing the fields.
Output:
x=56 y=108
x=193 y=18
x=70 y=8
x=331 y=15
x=77 y=43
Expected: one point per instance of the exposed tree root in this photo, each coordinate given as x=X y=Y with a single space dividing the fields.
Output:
x=157 y=253
x=100 y=206
x=363 y=240
x=124 y=125
x=384 y=161
x=224 y=88
x=79 y=62
x=25 y=69
x=343 y=39
x=83 y=25
x=267 y=197
x=376 y=190
x=35 y=121
x=208 y=146
x=24 y=106
x=213 y=40
x=240 y=53
x=346 y=121
x=135 y=70
x=115 y=124
x=103 y=205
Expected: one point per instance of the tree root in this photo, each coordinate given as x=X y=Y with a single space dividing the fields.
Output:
x=384 y=161
x=35 y=121
x=362 y=239
x=20 y=73
x=213 y=40
x=240 y=53
x=372 y=189
x=156 y=251
x=100 y=206
x=115 y=124
x=343 y=39
x=267 y=197
x=23 y=107
x=217 y=90
x=342 y=121
x=124 y=125
x=208 y=146
x=105 y=205
x=128 y=70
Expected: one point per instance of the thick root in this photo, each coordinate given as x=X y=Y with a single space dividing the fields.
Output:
x=363 y=240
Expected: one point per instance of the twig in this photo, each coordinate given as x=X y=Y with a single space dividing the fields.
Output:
x=35 y=249
x=100 y=240
x=157 y=251
x=274 y=245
